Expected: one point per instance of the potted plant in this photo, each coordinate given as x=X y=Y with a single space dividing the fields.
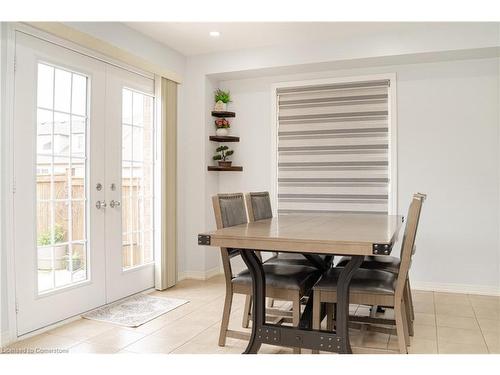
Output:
x=222 y=126
x=223 y=152
x=221 y=99
x=76 y=260
x=45 y=252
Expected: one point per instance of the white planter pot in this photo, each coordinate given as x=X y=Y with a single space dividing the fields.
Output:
x=220 y=106
x=222 y=132
x=45 y=257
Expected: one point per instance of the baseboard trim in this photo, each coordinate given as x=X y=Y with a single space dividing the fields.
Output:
x=456 y=288
x=200 y=275
x=5 y=339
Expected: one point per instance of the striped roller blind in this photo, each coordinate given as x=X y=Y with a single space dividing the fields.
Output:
x=333 y=148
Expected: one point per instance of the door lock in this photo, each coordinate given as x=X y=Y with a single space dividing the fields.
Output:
x=114 y=204
x=100 y=205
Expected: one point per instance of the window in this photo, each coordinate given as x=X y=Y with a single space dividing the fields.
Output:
x=334 y=147
x=137 y=178
x=61 y=178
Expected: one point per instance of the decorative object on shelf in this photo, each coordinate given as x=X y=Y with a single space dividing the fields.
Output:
x=222 y=132
x=221 y=99
x=223 y=152
x=222 y=126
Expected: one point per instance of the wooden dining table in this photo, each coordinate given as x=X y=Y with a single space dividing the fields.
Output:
x=351 y=234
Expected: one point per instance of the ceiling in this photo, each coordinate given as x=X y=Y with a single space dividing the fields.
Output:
x=192 y=38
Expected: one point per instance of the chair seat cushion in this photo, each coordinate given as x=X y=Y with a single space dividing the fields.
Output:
x=280 y=276
x=291 y=259
x=363 y=281
x=372 y=262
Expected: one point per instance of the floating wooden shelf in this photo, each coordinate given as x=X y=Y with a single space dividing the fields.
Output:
x=223 y=114
x=224 y=138
x=222 y=169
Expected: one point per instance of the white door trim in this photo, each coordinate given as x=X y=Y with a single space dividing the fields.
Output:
x=393 y=126
x=7 y=180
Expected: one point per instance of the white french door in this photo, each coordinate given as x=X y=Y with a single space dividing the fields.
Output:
x=83 y=172
x=129 y=183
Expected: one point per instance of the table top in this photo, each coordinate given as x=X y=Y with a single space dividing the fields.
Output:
x=343 y=234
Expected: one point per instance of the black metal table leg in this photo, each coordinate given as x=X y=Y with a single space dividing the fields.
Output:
x=342 y=313
x=254 y=266
x=317 y=262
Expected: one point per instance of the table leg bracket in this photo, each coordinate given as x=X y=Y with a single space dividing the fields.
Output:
x=299 y=338
x=204 y=239
x=381 y=249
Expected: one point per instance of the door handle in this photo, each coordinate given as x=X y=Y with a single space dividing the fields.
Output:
x=100 y=205
x=114 y=204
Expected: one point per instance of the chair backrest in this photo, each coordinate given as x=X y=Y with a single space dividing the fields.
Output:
x=408 y=244
x=229 y=210
x=259 y=206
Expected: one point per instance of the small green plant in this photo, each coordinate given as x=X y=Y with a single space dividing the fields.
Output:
x=223 y=96
x=44 y=238
x=223 y=152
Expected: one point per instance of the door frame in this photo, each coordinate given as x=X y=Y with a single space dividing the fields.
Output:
x=7 y=183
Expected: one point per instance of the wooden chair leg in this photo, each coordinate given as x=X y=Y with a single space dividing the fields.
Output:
x=410 y=300
x=316 y=313
x=329 y=316
x=225 y=317
x=406 y=323
x=402 y=333
x=409 y=320
x=247 y=311
x=296 y=317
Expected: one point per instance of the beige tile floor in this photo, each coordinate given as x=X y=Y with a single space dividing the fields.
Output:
x=444 y=323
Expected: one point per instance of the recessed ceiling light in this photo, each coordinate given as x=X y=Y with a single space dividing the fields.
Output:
x=215 y=34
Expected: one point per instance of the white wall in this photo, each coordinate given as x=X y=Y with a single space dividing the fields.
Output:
x=448 y=139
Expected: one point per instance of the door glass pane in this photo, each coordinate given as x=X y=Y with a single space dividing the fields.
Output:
x=77 y=178
x=45 y=86
x=79 y=262
x=44 y=127
x=137 y=178
x=61 y=171
x=79 y=95
x=62 y=90
x=61 y=177
x=78 y=136
x=61 y=136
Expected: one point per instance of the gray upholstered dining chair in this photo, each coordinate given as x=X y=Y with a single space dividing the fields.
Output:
x=283 y=282
x=376 y=287
x=390 y=264
x=259 y=208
